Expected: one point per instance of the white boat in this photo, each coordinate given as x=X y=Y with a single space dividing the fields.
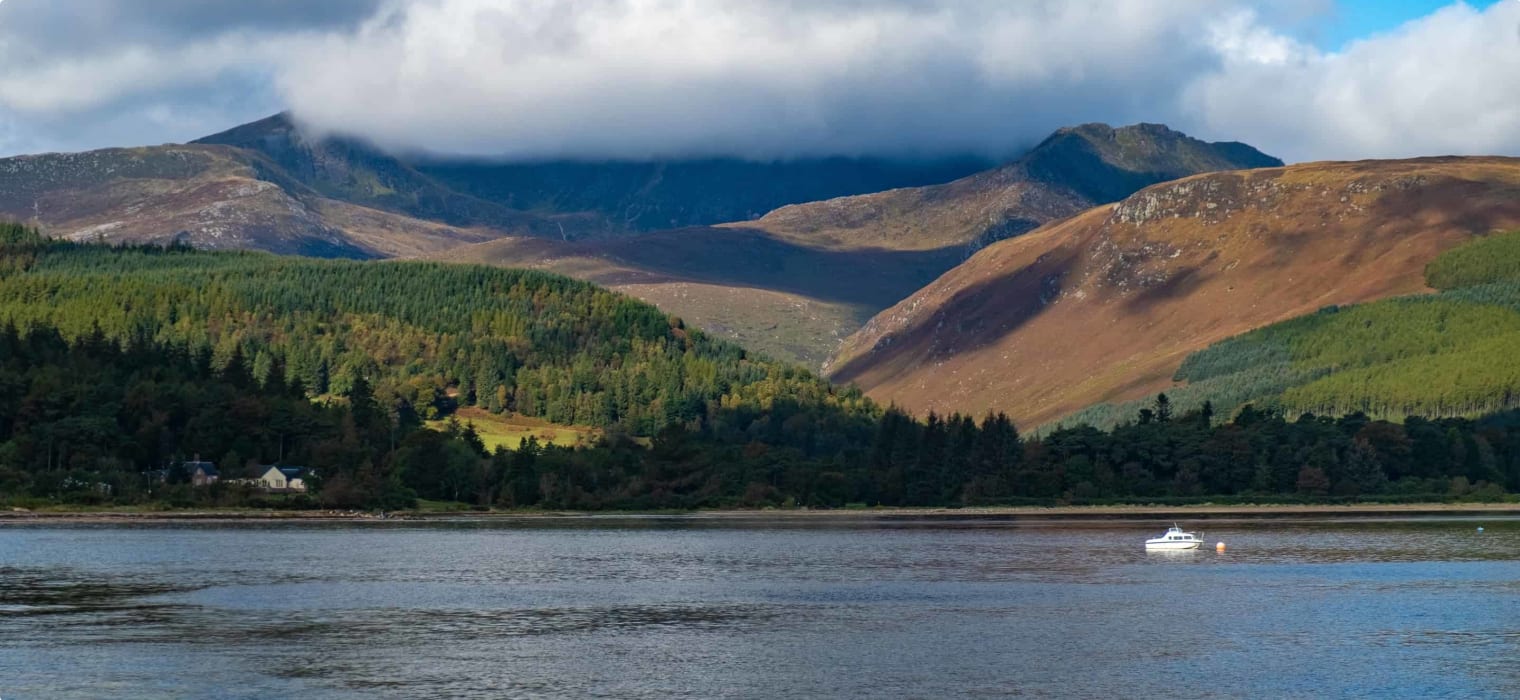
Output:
x=1175 y=538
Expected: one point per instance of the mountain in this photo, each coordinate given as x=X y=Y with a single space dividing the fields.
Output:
x=210 y=196
x=270 y=185
x=350 y=170
x=1072 y=170
x=792 y=283
x=1104 y=306
x=580 y=198
x=797 y=281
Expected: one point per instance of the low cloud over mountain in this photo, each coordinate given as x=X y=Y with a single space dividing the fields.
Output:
x=761 y=78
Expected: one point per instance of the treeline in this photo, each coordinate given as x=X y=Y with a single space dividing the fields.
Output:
x=1261 y=454
x=94 y=421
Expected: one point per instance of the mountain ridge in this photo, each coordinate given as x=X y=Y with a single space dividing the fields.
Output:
x=350 y=170
x=1079 y=167
x=582 y=198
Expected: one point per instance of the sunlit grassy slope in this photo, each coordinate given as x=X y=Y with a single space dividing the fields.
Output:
x=1452 y=353
x=510 y=430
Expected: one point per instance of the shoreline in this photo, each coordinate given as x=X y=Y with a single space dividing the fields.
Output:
x=1007 y=513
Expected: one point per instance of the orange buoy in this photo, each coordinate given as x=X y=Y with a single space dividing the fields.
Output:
x=1219 y=548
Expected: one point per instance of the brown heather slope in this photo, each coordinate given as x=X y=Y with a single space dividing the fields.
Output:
x=797 y=281
x=1104 y=306
x=214 y=197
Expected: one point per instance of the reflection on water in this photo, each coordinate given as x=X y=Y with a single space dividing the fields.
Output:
x=58 y=591
x=698 y=607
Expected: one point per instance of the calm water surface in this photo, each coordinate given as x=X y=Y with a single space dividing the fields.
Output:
x=700 y=608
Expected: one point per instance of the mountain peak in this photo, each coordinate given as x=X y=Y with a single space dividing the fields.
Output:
x=1106 y=164
x=255 y=134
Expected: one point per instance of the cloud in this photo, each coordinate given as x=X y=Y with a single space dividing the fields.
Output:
x=1447 y=83
x=638 y=78
x=758 y=78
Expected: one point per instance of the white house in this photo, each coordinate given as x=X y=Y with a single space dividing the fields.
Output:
x=283 y=479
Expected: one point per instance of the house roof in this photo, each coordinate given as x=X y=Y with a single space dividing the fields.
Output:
x=289 y=472
x=209 y=468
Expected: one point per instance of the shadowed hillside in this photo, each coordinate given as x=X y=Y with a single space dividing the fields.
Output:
x=631 y=196
x=777 y=297
x=1104 y=306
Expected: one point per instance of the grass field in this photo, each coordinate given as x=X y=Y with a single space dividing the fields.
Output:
x=510 y=431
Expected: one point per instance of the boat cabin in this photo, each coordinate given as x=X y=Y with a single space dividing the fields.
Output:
x=1175 y=534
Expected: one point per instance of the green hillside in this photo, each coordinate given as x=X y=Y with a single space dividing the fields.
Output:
x=534 y=343
x=1445 y=354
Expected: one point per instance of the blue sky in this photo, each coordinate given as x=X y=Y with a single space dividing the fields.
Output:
x=1349 y=20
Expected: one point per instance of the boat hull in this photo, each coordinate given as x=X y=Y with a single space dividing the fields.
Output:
x=1172 y=545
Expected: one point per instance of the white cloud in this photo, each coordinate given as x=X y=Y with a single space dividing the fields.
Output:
x=639 y=78
x=1240 y=38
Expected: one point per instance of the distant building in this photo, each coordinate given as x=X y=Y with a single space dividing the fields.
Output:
x=202 y=473
x=275 y=479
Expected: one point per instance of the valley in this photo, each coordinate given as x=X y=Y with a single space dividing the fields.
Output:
x=1024 y=293
x=798 y=280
